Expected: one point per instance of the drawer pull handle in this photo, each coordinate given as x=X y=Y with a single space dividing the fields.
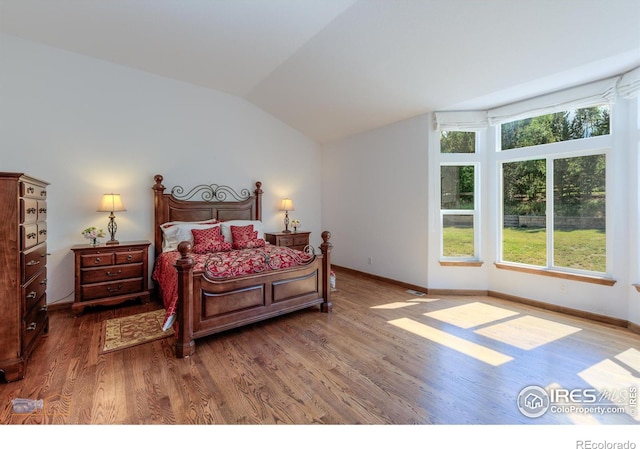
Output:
x=43 y=309
x=109 y=273
x=43 y=193
x=111 y=290
x=32 y=326
x=43 y=210
x=43 y=232
x=129 y=257
x=31 y=235
x=33 y=262
x=30 y=190
x=96 y=260
x=31 y=295
x=31 y=210
x=43 y=282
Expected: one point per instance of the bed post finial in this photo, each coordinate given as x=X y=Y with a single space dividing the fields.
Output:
x=326 y=246
x=258 y=195
x=158 y=185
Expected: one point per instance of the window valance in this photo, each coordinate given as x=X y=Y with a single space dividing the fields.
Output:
x=565 y=100
x=461 y=120
x=626 y=86
x=629 y=85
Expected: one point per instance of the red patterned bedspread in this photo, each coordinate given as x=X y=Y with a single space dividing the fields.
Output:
x=222 y=265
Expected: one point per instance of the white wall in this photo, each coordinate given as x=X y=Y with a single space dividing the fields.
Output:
x=374 y=194
x=380 y=200
x=90 y=127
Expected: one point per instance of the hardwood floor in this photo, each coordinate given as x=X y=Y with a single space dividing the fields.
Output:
x=384 y=356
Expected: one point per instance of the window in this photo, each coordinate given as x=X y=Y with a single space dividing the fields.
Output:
x=554 y=194
x=457 y=199
x=458 y=196
x=558 y=127
x=457 y=142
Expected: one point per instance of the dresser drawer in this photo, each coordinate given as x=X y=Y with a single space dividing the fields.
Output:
x=28 y=210
x=33 y=261
x=34 y=289
x=31 y=190
x=97 y=259
x=34 y=321
x=107 y=289
x=42 y=211
x=110 y=273
x=29 y=237
x=42 y=232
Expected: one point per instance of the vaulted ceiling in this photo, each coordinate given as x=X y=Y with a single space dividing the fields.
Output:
x=334 y=68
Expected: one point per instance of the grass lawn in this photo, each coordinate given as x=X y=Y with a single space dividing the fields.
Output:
x=583 y=249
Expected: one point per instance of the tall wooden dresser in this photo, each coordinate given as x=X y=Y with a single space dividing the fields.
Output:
x=23 y=270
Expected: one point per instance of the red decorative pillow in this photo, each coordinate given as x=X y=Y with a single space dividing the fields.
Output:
x=204 y=235
x=251 y=243
x=242 y=233
x=209 y=240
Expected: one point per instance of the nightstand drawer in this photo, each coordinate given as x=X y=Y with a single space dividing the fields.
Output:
x=285 y=241
x=110 y=273
x=133 y=256
x=300 y=239
x=96 y=259
x=294 y=240
x=107 y=289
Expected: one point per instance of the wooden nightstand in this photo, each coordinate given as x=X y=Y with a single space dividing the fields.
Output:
x=295 y=240
x=110 y=274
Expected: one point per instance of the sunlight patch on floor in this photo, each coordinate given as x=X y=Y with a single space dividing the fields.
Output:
x=394 y=305
x=630 y=357
x=469 y=348
x=615 y=383
x=423 y=299
x=471 y=315
x=527 y=332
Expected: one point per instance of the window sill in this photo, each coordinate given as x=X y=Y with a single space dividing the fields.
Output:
x=461 y=263
x=558 y=274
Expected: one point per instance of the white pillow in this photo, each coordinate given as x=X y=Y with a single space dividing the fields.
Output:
x=226 y=228
x=175 y=232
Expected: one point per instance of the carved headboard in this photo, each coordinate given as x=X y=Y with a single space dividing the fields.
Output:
x=203 y=202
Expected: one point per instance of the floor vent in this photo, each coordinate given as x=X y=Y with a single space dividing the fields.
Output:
x=415 y=293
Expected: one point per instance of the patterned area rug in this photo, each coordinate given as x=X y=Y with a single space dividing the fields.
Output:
x=121 y=333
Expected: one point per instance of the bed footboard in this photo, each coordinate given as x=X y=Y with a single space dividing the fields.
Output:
x=207 y=306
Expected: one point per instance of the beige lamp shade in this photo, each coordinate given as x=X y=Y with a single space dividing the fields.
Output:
x=287 y=204
x=111 y=202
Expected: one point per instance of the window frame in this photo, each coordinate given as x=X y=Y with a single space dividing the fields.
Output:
x=458 y=160
x=597 y=145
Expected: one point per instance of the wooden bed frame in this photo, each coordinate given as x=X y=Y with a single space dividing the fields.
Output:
x=207 y=306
